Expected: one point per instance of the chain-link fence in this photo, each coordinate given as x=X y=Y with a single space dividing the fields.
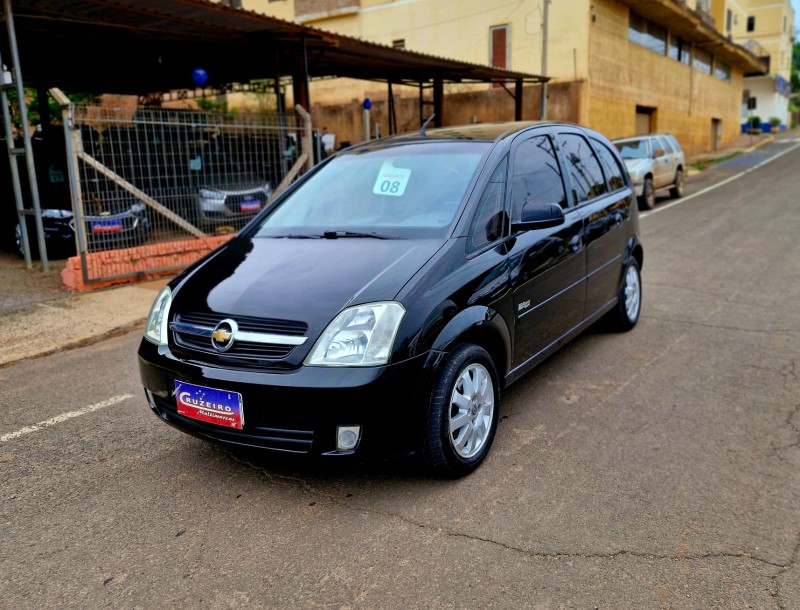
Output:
x=147 y=185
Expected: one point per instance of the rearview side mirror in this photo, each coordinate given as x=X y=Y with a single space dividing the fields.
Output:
x=539 y=216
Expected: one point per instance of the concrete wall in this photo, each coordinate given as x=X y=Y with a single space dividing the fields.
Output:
x=282 y=9
x=461 y=107
x=623 y=75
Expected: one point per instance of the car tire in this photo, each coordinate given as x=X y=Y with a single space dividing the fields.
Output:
x=676 y=192
x=463 y=413
x=32 y=243
x=648 y=199
x=626 y=312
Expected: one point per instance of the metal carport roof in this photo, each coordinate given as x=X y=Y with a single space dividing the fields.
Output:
x=142 y=46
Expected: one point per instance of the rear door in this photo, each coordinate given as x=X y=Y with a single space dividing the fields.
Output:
x=603 y=200
x=547 y=266
x=663 y=166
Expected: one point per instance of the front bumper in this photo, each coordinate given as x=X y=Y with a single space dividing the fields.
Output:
x=298 y=411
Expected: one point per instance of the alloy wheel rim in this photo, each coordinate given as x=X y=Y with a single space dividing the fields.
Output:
x=633 y=294
x=471 y=410
x=679 y=183
x=651 y=195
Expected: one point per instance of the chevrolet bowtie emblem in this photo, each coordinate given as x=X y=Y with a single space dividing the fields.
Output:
x=221 y=335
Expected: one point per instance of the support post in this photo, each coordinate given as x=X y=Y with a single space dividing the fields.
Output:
x=26 y=136
x=438 y=102
x=308 y=139
x=545 y=15
x=518 y=100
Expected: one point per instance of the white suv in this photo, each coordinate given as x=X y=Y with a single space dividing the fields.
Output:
x=655 y=161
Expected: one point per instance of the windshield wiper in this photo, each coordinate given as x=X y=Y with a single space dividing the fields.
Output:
x=338 y=234
x=294 y=236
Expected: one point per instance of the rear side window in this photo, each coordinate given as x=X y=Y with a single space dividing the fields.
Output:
x=537 y=176
x=584 y=169
x=610 y=165
x=675 y=144
x=491 y=219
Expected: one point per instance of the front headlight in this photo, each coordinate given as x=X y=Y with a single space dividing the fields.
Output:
x=359 y=336
x=157 y=322
x=212 y=194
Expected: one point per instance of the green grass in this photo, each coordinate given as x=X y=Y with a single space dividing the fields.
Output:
x=699 y=166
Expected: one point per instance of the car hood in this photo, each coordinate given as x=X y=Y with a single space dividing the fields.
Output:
x=305 y=280
x=638 y=167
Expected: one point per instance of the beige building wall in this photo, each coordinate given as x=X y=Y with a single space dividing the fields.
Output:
x=774 y=25
x=456 y=30
x=684 y=101
x=588 y=45
x=282 y=9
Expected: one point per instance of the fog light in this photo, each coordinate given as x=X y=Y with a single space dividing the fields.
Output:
x=347 y=437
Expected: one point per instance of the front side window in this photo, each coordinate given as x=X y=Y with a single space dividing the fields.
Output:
x=664 y=145
x=536 y=176
x=584 y=169
x=412 y=190
x=491 y=219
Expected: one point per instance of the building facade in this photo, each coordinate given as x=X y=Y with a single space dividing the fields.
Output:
x=634 y=65
x=766 y=27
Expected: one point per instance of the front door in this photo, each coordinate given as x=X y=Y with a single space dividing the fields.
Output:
x=547 y=267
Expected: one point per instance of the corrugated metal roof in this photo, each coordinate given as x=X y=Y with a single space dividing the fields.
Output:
x=141 y=46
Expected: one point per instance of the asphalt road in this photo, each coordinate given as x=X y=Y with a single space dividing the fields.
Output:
x=654 y=469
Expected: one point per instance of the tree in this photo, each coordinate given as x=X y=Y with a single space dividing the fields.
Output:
x=34 y=118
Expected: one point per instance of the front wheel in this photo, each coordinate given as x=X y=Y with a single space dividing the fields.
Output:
x=463 y=413
x=648 y=199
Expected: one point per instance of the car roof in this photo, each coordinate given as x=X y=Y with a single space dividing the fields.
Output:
x=642 y=137
x=477 y=132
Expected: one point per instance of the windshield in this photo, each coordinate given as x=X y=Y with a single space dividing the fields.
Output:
x=411 y=191
x=633 y=149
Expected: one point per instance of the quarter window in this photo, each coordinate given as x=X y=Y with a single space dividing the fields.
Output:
x=491 y=219
x=610 y=166
x=584 y=169
x=537 y=177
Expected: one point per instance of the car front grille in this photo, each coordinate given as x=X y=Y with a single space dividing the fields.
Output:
x=191 y=331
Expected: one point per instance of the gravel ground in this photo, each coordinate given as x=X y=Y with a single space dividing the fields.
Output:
x=23 y=289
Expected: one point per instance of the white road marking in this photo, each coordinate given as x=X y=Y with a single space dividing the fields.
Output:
x=718 y=184
x=65 y=416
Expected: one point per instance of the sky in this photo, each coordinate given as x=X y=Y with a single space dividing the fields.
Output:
x=796 y=7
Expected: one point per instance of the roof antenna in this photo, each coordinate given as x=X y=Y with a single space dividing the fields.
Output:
x=425 y=124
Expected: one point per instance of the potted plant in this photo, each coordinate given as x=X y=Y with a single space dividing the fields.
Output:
x=775 y=122
x=754 y=125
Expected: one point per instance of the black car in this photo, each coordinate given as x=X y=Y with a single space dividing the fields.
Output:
x=385 y=300
x=112 y=217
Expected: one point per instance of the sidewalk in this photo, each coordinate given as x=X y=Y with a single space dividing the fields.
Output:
x=744 y=143
x=38 y=316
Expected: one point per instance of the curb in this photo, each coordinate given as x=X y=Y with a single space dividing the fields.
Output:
x=758 y=145
x=117 y=331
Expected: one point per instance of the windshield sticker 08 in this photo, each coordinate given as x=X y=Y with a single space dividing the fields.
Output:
x=392 y=181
